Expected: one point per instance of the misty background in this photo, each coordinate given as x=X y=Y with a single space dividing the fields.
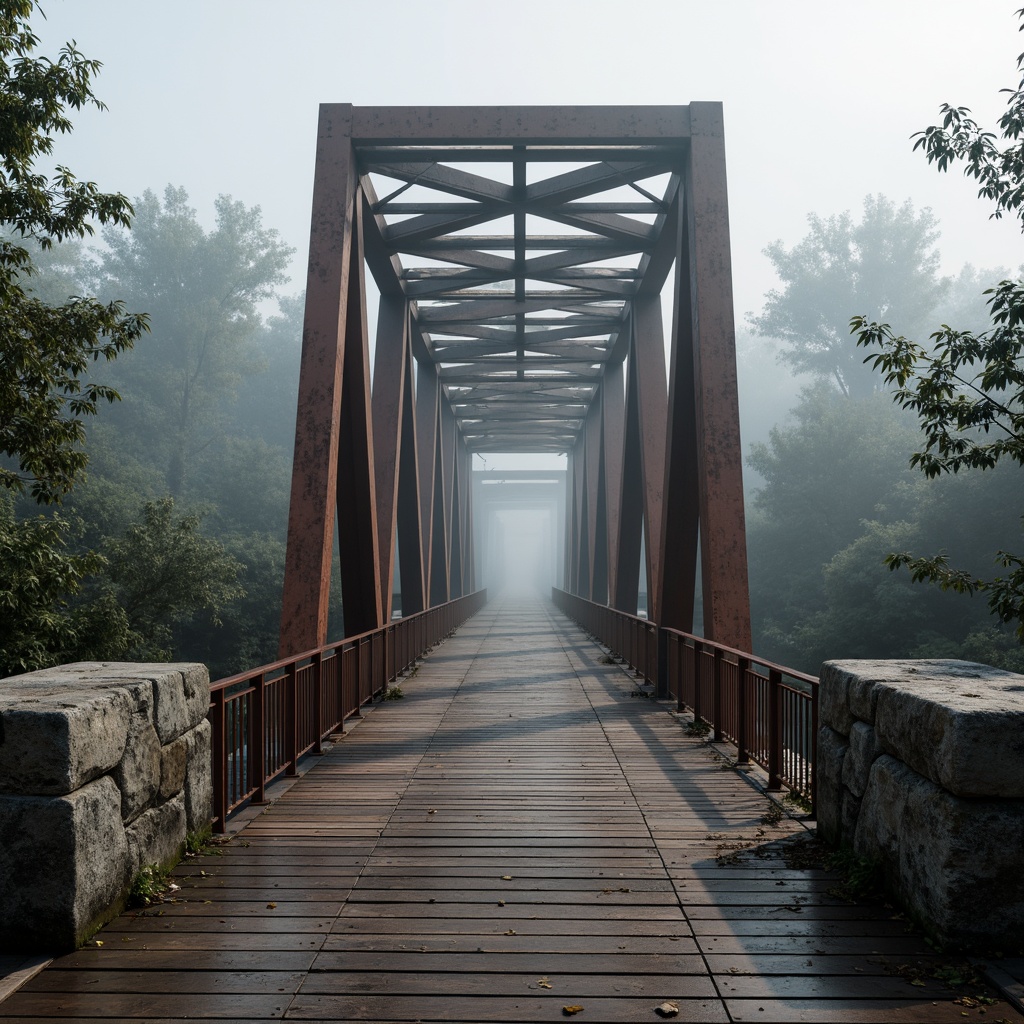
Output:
x=211 y=126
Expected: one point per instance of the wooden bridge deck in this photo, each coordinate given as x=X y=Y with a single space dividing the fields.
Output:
x=517 y=836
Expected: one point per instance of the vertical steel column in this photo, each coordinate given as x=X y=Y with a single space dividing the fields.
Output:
x=394 y=432
x=581 y=582
x=631 y=511
x=358 y=550
x=428 y=414
x=722 y=522
x=388 y=405
x=333 y=437
x=644 y=471
x=649 y=359
x=613 y=427
x=592 y=442
x=681 y=511
x=410 y=529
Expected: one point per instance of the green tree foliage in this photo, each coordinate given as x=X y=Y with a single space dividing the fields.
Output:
x=886 y=261
x=38 y=579
x=45 y=350
x=838 y=493
x=965 y=387
x=203 y=290
x=164 y=573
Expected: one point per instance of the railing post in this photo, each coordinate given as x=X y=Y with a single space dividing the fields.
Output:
x=291 y=720
x=256 y=738
x=742 y=753
x=318 y=702
x=774 y=729
x=661 y=689
x=677 y=664
x=696 y=681
x=218 y=724
x=716 y=693
x=814 y=751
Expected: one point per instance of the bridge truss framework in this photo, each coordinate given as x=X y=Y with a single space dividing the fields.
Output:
x=520 y=254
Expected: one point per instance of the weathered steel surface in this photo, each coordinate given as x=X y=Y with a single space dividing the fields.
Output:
x=519 y=834
x=722 y=529
x=681 y=509
x=389 y=380
x=307 y=579
x=358 y=549
x=528 y=247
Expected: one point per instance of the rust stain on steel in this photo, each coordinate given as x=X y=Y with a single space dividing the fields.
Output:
x=613 y=425
x=358 y=549
x=314 y=471
x=388 y=397
x=680 y=515
x=649 y=357
x=723 y=532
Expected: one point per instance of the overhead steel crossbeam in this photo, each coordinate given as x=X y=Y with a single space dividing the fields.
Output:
x=520 y=254
x=520 y=247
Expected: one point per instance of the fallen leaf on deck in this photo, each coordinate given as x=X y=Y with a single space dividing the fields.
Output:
x=506 y=878
x=501 y=903
x=544 y=983
x=511 y=931
x=667 y=1010
x=433 y=810
x=271 y=906
x=570 y=1011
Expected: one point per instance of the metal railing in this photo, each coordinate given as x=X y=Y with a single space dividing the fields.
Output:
x=265 y=720
x=769 y=712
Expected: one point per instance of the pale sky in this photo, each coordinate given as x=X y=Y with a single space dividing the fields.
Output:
x=220 y=96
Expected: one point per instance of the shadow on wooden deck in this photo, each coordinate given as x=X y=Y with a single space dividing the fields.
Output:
x=517 y=836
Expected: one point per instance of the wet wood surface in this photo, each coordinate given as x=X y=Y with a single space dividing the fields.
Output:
x=520 y=834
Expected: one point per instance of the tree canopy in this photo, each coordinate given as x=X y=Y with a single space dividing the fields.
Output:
x=886 y=261
x=45 y=350
x=965 y=387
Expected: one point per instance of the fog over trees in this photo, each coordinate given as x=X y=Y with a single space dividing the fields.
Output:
x=170 y=543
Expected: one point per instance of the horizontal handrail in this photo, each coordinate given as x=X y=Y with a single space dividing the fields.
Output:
x=768 y=711
x=265 y=720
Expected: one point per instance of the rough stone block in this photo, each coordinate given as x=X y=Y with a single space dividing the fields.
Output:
x=959 y=724
x=198 y=777
x=834 y=698
x=52 y=743
x=954 y=862
x=881 y=812
x=864 y=748
x=64 y=865
x=832 y=749
x=138 y=773
x=157 y=836
x=173 y=759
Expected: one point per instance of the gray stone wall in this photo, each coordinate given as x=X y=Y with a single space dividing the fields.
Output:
x=104 y=768
x=921 y=768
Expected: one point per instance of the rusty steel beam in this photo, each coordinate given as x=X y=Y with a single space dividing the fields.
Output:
x=388 y=405
x=613 y=428
x=307 y=574
x=631 y=503
x=410 y=531
x=592 y=446
x=524 y=125
x=681 y=512
x=722 y=520
x=648 y=360
x=358 y=549
x=428 y=397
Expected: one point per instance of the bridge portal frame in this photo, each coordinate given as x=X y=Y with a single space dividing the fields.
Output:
x=650 y=454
